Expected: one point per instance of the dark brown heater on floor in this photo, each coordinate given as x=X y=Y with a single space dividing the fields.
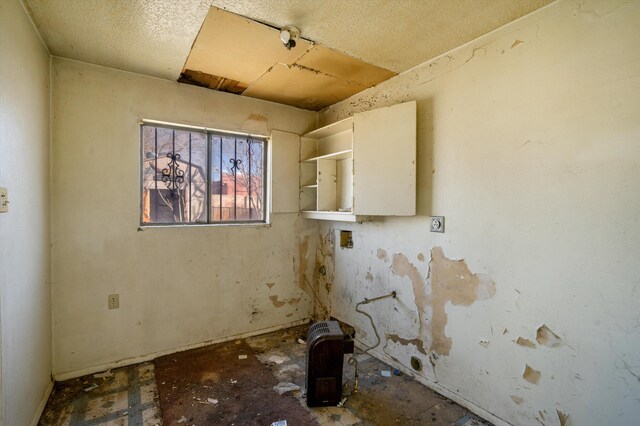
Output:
x=326 y=346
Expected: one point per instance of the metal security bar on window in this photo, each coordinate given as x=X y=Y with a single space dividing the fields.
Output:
x=192 y=176
x=237 y=174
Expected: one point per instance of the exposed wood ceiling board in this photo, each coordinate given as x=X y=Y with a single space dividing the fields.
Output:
x=301 y=88
x=343 y=66
x=214 y=82
x=237 y=48
x=149 y=37
x=396 y=35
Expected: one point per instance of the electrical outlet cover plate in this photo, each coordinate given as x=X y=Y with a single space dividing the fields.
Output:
x=113 y=301
x=437 y=223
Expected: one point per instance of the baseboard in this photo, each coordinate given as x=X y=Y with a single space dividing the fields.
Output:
x=43 y=403
x=143 y=358
x=441 y=389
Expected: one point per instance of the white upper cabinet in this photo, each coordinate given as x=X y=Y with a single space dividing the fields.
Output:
x=282 y=190
x=361 y=166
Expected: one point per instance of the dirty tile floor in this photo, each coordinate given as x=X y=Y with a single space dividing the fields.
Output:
x=124 y=397
x=129 y=396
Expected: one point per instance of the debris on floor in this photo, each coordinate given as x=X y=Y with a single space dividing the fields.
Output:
x=103 y=375
x=273 y=358
x=213 y=385
x=127 y=396
x=243 y=388
x=90 y=388
x=284 y=388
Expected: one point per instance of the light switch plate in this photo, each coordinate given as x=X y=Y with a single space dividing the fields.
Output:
x=4 y=200
x=437 y=223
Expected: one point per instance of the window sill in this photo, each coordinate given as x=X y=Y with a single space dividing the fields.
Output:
x=206 y=225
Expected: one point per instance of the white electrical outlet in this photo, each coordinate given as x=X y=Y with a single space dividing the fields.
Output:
x=4 y=200
x=113 y=301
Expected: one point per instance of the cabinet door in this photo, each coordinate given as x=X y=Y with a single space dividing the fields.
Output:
x=284 y=172
x=384 y=155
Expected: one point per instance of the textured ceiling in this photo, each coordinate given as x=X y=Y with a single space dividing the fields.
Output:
x=151 y=37
x=154 y=37
x=396 y=35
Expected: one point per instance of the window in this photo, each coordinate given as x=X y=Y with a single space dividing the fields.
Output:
x=193 y=176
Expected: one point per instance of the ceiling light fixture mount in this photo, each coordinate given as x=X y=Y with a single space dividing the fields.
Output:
x=288 y=36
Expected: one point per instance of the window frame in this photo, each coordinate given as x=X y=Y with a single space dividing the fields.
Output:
x=209 y=132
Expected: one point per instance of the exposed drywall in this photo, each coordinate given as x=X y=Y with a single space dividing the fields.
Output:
x=235 y=54
x=528 y=145
x=177 y=286
x=25 y=293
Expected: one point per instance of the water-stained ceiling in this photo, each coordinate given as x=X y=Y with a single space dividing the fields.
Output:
x=309 y=75
x=347 y=47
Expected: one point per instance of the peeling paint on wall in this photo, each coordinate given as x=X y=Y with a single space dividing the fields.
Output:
x=256 y=123
x=402 y=267
x=448 y=281
x=382 y=254
x=525 y=342
x=518 y=400
x=324 y=272
x=419 y=344
x=303 y=247
x=452 y=281
x=562 y=417
x=548 y=338
x=531 y=375
x=280 y=303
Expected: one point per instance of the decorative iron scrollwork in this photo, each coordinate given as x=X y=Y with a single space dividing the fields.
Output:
x=234 y=163
x=172 y=176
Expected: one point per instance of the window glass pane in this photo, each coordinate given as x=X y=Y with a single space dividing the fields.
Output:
x=255 y=154
x=173 y=175
x=175 y=164
x=237 y=178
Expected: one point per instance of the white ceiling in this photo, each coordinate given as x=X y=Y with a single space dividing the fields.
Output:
x=151 y=37
x=154 y=37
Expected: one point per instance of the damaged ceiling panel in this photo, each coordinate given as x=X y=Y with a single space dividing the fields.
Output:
x=237 y=48
x=301 y=87
x=343 y=66
x=238 y=55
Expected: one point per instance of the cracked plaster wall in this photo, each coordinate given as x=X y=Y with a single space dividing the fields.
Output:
x=528 y=145
x=178 y=286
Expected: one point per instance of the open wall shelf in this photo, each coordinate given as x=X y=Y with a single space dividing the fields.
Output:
x=361 y=166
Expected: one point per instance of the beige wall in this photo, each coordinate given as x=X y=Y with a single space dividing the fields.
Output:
x=178 y=286
x=24 y=231
x=529 y=145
